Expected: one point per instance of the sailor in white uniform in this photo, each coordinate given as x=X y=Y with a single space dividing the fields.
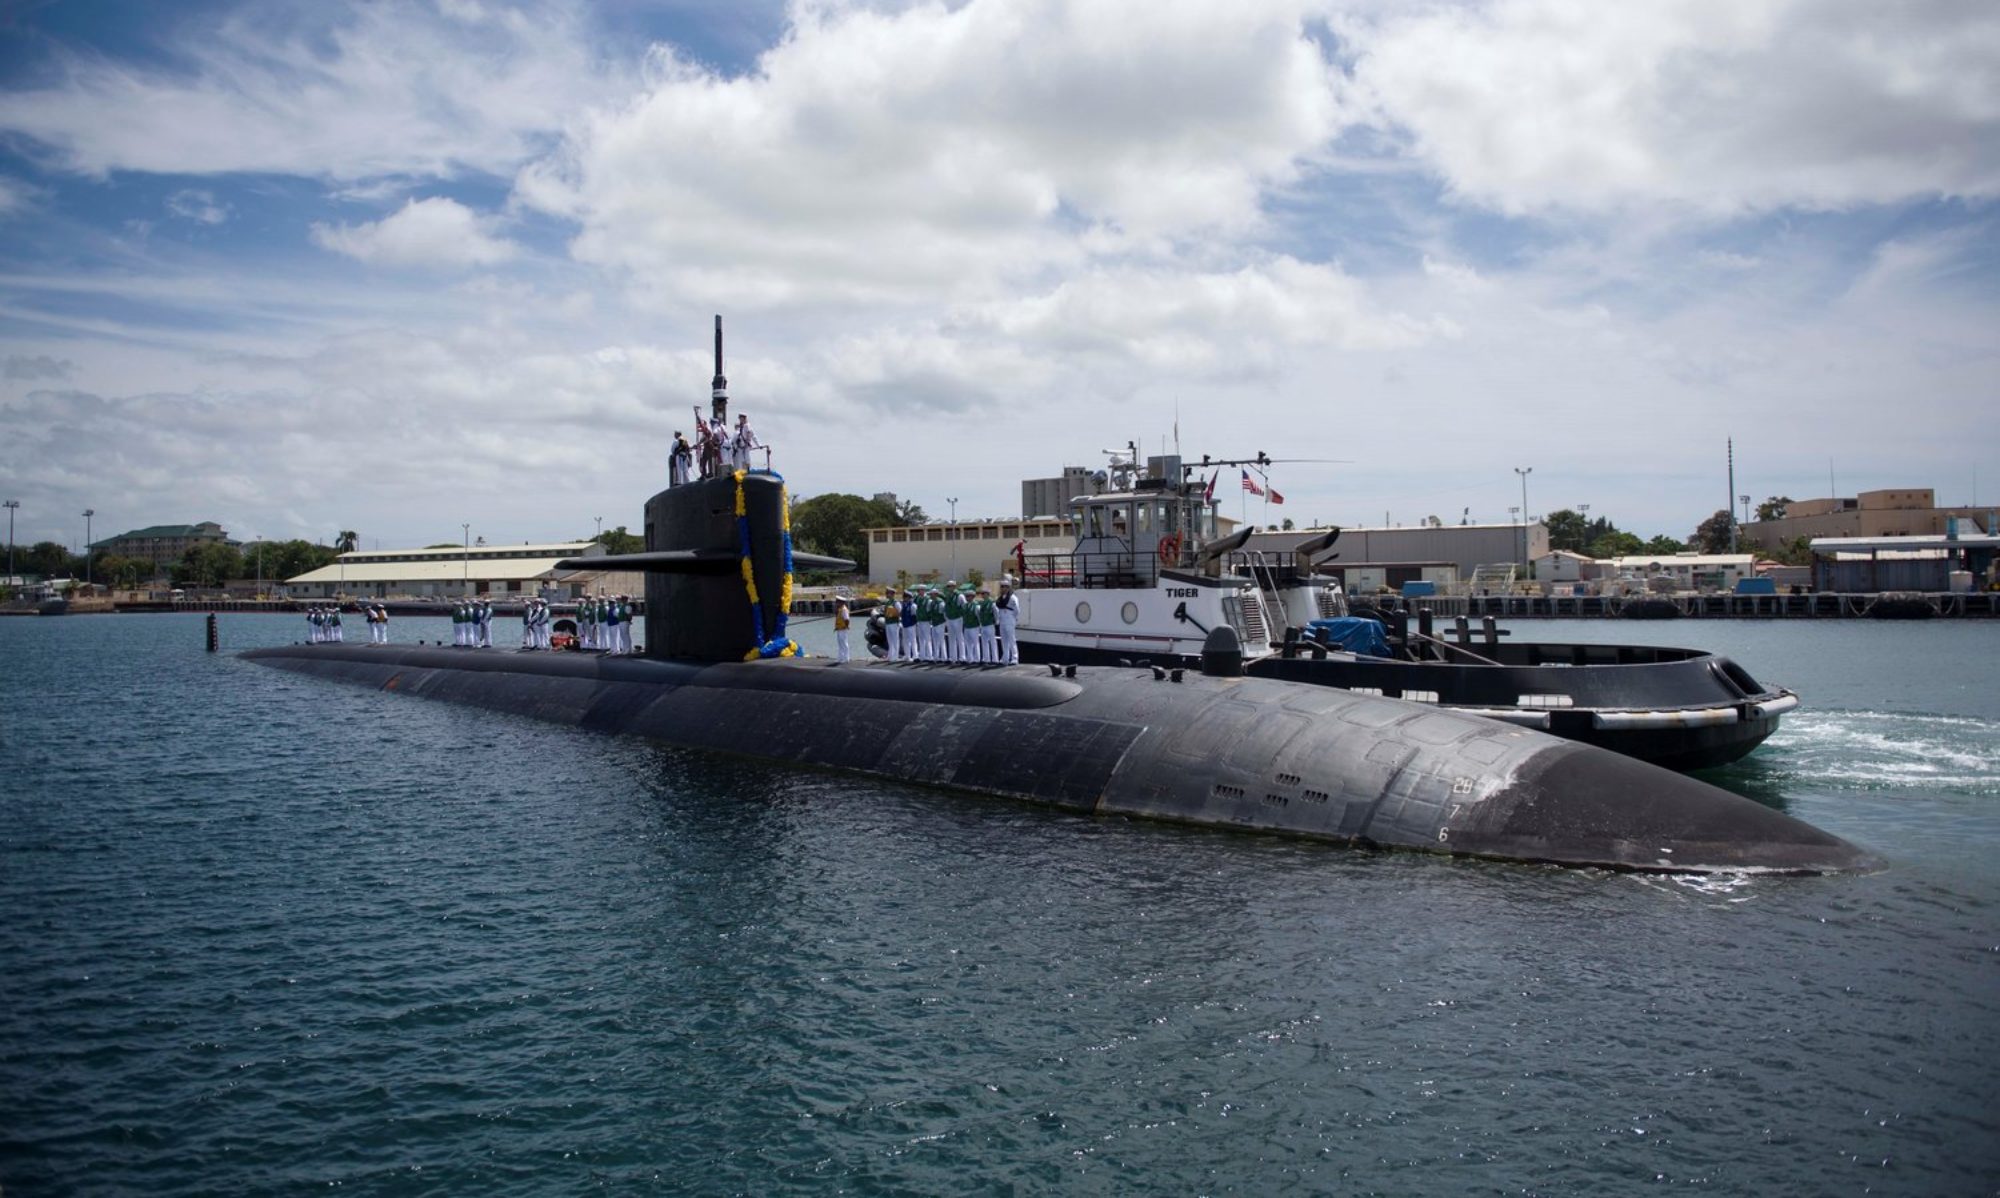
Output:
x=718 y=431
x=1007 y=613
x=680 y=462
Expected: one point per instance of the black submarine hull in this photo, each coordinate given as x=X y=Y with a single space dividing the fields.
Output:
x=1231 y=752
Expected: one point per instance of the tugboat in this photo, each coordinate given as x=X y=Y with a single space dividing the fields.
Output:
x=1149 y=578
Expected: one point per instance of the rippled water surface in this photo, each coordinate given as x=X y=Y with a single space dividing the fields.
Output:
x=260 y=933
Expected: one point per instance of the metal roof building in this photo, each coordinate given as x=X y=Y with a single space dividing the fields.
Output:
x=1464 y=546
x=1920 y=563
x=442 y=571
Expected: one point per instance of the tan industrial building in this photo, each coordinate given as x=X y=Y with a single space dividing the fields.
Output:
x=1898 y=512
x=934 y=552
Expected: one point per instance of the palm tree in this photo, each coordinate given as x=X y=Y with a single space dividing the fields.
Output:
x=347 y=541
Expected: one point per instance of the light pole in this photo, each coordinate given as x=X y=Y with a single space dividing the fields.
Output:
x=259 y=546
x=467 y=580
x=87 y=514
x=1524 y=472
x=953 y=534
x=12 y=504
x=600 y=527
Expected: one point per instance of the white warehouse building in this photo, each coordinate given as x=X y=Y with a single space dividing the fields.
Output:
x=442 y=572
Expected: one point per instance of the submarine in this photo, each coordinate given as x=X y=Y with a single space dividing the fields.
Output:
x=1206 y=746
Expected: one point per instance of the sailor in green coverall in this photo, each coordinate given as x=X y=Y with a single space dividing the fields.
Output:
x=987 y=643
x=954 y=622
x=934 y=617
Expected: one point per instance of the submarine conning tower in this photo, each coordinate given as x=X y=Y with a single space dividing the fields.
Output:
x=706 y=613
x=718 y=561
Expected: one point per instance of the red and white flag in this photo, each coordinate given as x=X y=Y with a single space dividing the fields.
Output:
x=1275 y=497
x=1250 y=484
x=1208 y=492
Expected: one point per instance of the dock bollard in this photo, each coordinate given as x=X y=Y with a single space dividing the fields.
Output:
x=213 y=641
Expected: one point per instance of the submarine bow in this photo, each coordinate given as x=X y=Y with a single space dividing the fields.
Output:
x=1240 y=753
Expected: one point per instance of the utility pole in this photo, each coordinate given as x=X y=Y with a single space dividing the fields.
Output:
x=87 y=514
x=953 y=534
x=12 y=504
x=1729 y=509
x=1524 y=472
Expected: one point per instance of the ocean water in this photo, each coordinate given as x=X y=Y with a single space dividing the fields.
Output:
x=261 y=933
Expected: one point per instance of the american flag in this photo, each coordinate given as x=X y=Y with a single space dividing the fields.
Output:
x=1250 y=484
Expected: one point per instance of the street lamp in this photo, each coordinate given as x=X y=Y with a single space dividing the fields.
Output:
x=600 y=527
x=260 y=566
x=953 y=534
x=467 y=582
x=1524 y=472
x=87 y=514
x=11 y=505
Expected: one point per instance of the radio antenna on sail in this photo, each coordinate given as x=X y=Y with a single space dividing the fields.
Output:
x=719 y=389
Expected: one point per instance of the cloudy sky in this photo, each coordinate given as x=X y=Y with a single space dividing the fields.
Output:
x=401 y=266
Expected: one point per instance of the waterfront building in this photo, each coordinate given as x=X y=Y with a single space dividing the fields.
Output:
x=1896 y=512
x=1689 y=571
x=164 y=544
x=1959 y=561
x=1041 y=497
x=947 y=549
x=446 y=571
x=1418 y=551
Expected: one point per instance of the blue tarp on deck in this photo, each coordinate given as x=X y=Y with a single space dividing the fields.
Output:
x=1352 y=633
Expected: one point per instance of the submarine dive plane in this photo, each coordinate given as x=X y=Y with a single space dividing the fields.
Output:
x=1204 y=745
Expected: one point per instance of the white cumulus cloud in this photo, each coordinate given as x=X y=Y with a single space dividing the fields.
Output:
x=883 y=154
x=348 y=92
x=436 y=231
x=1719 y=106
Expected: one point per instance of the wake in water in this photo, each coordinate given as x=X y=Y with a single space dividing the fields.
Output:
x=1877 y=750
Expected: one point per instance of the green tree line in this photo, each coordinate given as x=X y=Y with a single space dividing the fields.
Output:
x=832 y=524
